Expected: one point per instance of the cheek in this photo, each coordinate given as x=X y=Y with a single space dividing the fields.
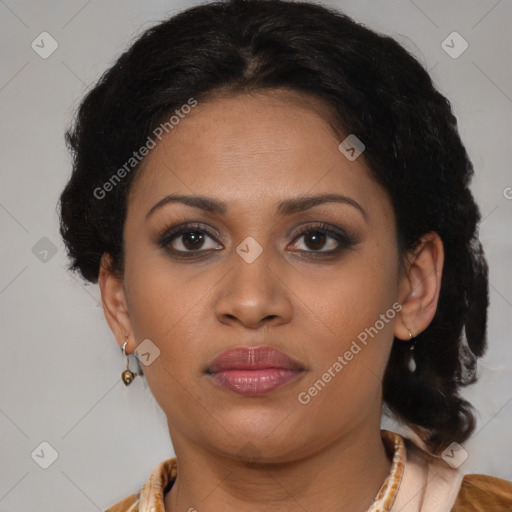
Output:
x=361 y=286
x=168 y=306
x=352 y=302
x=349 y=322
x=163 y=310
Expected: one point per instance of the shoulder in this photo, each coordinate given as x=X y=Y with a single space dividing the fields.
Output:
x=151 y=493
x=449 y=489
x=481 y=493
x=128 y=504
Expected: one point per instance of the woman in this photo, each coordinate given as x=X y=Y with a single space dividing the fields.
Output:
x=275 y=203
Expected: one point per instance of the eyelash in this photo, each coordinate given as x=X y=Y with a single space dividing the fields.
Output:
x=169 y=234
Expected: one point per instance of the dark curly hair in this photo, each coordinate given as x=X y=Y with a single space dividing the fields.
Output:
x=375 y=89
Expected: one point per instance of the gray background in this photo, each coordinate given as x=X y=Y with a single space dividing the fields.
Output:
x=60 y=372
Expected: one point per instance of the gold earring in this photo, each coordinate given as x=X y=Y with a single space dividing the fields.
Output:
x=127 y=376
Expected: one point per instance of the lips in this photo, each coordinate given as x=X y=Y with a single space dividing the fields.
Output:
x=253 y=358
x=253 y=371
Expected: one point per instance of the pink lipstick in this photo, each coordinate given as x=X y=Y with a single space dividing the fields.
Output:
x=253 y=371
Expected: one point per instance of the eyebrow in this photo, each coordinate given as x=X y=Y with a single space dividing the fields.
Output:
x=286 y=207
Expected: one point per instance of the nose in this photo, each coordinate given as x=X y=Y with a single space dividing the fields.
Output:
x=254 y=294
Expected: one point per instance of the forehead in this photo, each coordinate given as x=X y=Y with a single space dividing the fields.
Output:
x=253 y=150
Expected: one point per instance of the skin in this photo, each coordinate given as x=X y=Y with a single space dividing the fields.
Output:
x=251 y=152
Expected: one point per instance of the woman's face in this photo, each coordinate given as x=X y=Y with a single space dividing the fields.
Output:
x=311 y=296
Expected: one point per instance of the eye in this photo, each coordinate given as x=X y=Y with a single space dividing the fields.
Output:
x=323 y=239
x=191 y=238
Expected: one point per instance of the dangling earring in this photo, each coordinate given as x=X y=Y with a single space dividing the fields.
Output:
x=127 y=376
x=412 y=363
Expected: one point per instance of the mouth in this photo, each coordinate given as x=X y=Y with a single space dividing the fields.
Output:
x=253 y=371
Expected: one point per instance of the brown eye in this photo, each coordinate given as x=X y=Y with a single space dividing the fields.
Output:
x=315 y=240
x=192 y=240
x=188 y=239
x=323 y=239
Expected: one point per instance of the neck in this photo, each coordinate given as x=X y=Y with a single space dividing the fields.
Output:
x=346 y=474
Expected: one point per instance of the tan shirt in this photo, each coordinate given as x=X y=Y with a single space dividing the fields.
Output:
x=417 y=482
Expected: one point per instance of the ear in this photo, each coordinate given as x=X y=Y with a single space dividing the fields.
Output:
x=115 y=305
x=420 y=286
